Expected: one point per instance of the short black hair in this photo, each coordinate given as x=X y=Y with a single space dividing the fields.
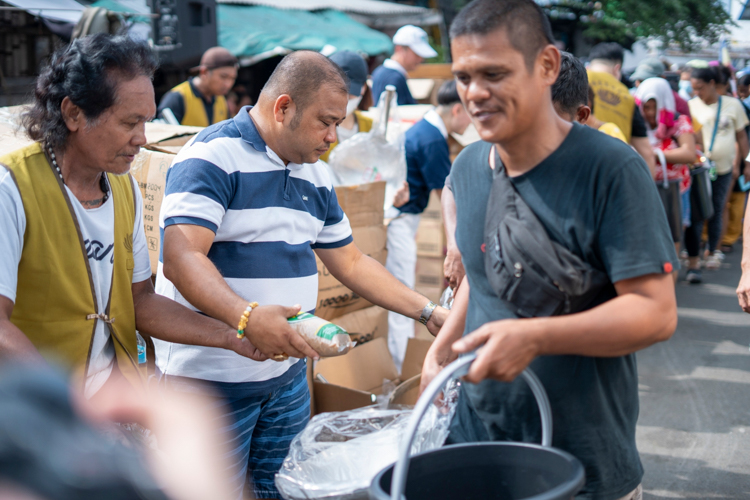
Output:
x=571 y=89
x=447 y=94
x=526 y=24
x=300 y=75
x=744 y=80
x=608 y=51
x=87 y=72
x=724 y=74
x=708 y=74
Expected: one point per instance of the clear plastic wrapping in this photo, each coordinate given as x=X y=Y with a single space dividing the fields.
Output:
x=326 y=338
x=377 y=155
x=338 y=454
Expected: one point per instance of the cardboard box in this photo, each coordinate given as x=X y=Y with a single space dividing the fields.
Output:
x=334 y=299
x=160 y=135
x=356 y=379
x=434 y=210
x=430 y=273
x=149 y=169
x=363 y=204
x=431 y=239
x=365 y=325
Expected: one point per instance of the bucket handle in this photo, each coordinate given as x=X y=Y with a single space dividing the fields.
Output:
x=459 y=368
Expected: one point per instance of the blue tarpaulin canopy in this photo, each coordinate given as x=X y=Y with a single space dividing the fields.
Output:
x=251 y=32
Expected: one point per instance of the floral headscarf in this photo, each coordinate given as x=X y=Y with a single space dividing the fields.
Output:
x=659 y=90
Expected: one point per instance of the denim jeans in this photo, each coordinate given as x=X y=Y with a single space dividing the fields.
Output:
x=693 y=234
x=719 y=189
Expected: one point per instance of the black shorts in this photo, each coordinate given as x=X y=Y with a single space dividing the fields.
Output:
x=670 y=199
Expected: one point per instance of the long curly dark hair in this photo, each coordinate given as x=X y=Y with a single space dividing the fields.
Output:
x=87 y=71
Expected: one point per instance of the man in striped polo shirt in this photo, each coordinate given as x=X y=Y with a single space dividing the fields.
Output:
x=246 y=204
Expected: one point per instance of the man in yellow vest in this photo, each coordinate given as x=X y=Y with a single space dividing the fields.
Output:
x=613 y=101
x=200 y=101
x=75 y=277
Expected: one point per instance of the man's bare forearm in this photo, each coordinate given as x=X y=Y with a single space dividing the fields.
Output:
x=165 y=319
x=448 y=203
x=609 y=330
x=369 y=279
x=746 y=240
x=198 y=280
x=14 y=345
x=454 y=326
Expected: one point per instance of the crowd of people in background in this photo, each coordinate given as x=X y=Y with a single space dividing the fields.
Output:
x=248 y=206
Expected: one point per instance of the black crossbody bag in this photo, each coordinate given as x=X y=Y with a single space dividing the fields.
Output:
x=533 y=274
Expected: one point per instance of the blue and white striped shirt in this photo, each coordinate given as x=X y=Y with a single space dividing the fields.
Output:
x=267 y=217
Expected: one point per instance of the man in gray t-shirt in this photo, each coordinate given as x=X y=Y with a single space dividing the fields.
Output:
x=594 y=196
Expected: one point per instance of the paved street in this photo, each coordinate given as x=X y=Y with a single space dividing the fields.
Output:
x=694 y=428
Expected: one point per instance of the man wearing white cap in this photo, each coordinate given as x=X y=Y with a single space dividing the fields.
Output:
x=411 y=48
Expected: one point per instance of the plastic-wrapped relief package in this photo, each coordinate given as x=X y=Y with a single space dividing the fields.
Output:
x=326 y=338
x=338 y=453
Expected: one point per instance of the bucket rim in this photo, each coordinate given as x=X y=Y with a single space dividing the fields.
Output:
x=574 y=484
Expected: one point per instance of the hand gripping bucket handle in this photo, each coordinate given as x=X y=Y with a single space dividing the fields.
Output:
x=459 y=368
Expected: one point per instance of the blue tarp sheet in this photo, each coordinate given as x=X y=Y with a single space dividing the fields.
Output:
x=247 y=31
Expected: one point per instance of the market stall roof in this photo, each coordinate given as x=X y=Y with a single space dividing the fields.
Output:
x=256 y=32
x=68 y=11
x=373 y=13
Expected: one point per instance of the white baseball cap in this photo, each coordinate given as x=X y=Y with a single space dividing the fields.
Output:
x=416 y=39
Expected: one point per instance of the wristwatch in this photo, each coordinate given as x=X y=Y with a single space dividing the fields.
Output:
x=427 y=312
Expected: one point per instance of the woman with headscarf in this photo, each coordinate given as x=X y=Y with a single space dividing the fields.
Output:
x=671 y=137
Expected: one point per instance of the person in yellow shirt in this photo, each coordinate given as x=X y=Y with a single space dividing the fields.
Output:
x=613 y=100
x=608 y=128
x=201 y=101
x=572 y=97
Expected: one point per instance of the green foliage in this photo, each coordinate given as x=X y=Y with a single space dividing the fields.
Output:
x=683 y=22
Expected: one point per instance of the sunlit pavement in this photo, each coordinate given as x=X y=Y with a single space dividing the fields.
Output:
x=694 y=426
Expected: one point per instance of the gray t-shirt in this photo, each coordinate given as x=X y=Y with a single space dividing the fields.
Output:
x=595 y=196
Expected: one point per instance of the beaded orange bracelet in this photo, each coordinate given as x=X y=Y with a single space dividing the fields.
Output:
x=244 y=318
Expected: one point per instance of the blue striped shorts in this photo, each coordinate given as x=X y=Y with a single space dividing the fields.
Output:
x=262 y=419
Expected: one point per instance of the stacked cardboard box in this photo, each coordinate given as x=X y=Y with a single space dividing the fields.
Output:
x=149 y=169
x=431 y=245
x=363 y=206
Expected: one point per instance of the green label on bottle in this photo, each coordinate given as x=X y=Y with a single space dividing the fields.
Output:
x=328 y=331
x=300 y=317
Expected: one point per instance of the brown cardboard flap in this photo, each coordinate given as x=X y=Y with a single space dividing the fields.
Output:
x=416 y=351
x=363 y=368
x=407 y=393
x=160 y=132
x=365 y=325
x=363 y=204
x=330 y=397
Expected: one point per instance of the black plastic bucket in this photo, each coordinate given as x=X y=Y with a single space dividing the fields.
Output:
x=487 y=471
x=480 y=471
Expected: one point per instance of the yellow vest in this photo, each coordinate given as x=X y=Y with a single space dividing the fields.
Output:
x=55 y=304
x=363 y=122
x=195 y=111
x=612 y=101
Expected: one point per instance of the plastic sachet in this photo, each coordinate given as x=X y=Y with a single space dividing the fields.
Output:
x=338 y=454
x=323 y=336
x=377 y=155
